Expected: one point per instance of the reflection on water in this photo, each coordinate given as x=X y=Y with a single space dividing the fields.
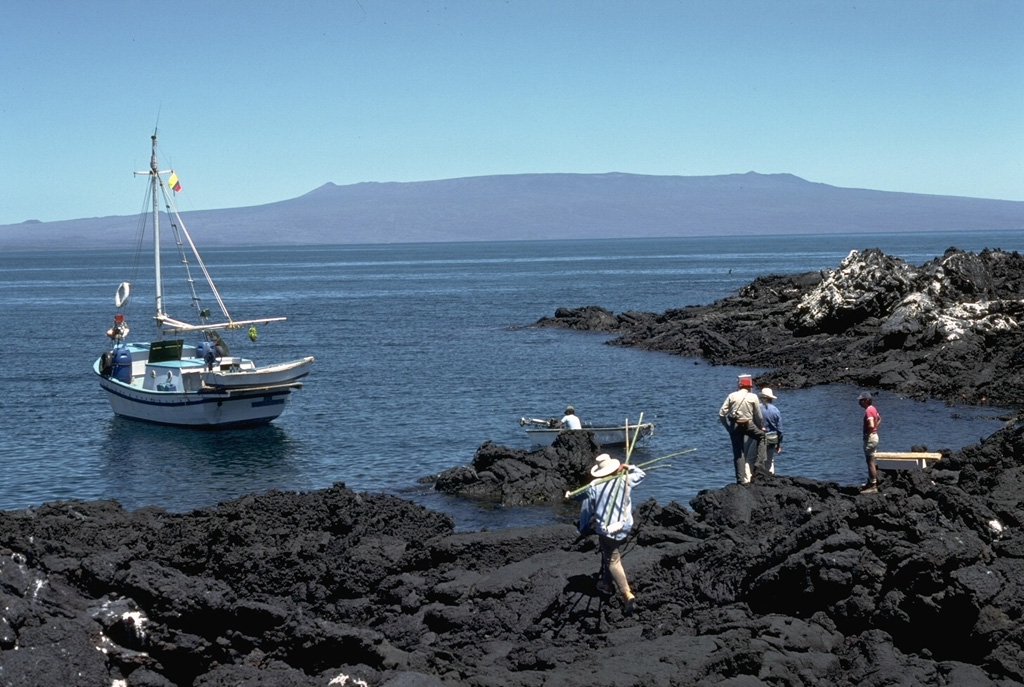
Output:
x=219 y=448
x=141 y=460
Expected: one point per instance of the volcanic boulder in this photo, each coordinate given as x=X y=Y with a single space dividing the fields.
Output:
x=513 y=477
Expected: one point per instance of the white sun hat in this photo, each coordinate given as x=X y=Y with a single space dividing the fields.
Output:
x=606 y=465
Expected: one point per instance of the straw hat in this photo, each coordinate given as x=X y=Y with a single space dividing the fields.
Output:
x=606 y=465
x=767 y=393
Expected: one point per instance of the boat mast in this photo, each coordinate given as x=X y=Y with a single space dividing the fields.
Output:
x=154 y=180
x=165 y=324
x=154 y=189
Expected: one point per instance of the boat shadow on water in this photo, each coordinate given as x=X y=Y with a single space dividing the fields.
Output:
x=140 y=459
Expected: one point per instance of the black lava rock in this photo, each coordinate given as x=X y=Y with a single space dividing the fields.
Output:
x=949 y=329
x=784 y=581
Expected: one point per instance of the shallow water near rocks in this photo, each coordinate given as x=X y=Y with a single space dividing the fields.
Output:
x=422 y=355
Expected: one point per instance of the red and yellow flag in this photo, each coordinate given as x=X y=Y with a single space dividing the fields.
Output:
x=173 y=182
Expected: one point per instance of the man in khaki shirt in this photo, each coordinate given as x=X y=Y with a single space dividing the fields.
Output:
x=741 y=417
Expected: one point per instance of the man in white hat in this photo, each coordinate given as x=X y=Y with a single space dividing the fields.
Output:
x=608 y=510
x=772 y=443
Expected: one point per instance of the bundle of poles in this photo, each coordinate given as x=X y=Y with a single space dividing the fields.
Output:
x=621 y=474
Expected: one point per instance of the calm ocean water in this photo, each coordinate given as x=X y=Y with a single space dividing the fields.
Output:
x=420 y=358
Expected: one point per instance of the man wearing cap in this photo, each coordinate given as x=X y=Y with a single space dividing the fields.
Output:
x=569 y=420
x=772 y=443
x=741 y=416
x=870 y=431
x=608 y=510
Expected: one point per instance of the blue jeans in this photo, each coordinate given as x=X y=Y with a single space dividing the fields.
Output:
x=744 y=465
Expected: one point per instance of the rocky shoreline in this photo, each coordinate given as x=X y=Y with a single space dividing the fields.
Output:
x=949 y=329
x=787 y=581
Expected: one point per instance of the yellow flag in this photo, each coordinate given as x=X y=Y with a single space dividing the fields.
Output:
x=172 y=182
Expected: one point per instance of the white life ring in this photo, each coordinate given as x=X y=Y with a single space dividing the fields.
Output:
x=121 y=297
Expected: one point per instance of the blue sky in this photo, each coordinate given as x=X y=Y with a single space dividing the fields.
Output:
x=264 y=101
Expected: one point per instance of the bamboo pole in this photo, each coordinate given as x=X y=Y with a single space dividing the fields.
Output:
x=636 y=434
x=642 y=466
x=670 y=455
x=625 y=427
x=620 y=483
x=621 y=488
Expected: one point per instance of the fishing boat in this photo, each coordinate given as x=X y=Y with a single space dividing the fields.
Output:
x=198 y=383
x=543 y=432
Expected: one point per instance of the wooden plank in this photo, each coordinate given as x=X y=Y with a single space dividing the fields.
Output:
x=909 y=460
x=907 y=455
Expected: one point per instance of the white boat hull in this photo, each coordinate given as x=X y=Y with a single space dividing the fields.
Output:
x=176 y=393
x=195 y=409
x=605 y=436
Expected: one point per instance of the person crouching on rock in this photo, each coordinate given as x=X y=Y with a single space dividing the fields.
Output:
x=870 y=430
x=741 y=416
x=608 y=510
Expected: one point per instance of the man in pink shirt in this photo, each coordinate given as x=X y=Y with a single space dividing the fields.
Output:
x=871 y=422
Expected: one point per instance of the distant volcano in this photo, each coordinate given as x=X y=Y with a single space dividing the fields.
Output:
x=553 y=206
